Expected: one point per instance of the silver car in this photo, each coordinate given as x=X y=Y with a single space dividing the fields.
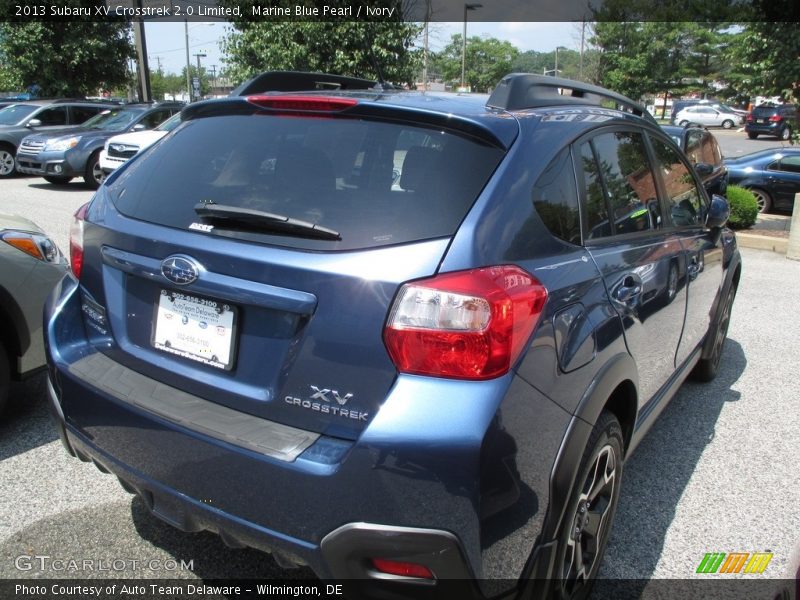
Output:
x=30 y=265
x=708 y=116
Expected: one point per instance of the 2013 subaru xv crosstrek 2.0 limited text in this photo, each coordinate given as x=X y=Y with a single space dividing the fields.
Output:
x=399 y=337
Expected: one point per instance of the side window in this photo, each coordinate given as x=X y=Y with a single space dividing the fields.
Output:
x=790 y=164
x=597 y=223
x=620 y=164
x=555 y=197
x=155 y=118
x=693 y=149
x=53 y=116
x=684 y=199
x=711 y=152
x=83 y=113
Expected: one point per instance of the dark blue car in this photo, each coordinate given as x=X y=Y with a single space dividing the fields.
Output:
x=773 y=175
x=60 y=156
x=403 y=338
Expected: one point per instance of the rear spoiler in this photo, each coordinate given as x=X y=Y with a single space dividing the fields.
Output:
x=296 y=81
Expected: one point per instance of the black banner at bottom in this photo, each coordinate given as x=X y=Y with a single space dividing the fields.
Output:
x=705 y=588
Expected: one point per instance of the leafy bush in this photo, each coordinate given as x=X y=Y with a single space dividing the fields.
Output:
x=744 y=208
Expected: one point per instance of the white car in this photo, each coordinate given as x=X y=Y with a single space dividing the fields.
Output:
x=120 y=148
x=708 y=116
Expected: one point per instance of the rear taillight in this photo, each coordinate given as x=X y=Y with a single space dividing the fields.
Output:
x=775 y=118
x=749 y=118
x=76 y=240
x=464 y=325
x=303 y=103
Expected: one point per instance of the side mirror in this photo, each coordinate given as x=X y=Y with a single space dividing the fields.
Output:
x=718 y=212
x=703 y=169
x=34 y=123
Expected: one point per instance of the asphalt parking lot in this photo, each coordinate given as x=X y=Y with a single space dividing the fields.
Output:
x=717 y=473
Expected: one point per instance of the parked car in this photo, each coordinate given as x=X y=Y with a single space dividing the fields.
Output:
x=778 y=120
x=24 y=118
x=772 y=175
x=120 y=148
x=707 y=116
x=59 y=157
x=679 y=105
x=704 y=153
x=30 y=265
x=401 y=383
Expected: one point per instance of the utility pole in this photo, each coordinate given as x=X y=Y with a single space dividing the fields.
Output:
x=583 y=38
x=145 y=94
x=188 y=64
x=198 y=56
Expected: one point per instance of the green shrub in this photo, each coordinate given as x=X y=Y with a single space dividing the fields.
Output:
x=744 y=208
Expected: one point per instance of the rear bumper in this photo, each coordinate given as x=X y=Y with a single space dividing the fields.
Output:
x=408 y=489
x=765 y=128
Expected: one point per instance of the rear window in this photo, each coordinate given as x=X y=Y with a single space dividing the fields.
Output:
x=375 y=183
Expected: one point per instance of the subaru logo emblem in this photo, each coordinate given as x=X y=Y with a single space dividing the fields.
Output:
x=180 y=269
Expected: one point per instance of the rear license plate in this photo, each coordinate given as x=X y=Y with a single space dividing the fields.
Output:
x=196 y=328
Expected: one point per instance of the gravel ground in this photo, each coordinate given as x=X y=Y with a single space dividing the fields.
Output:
x=717 y=473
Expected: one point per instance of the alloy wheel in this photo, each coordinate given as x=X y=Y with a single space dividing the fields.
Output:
x=591 y=521
x=7 y=163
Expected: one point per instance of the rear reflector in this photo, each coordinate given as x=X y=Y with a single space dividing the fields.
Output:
x=76 y=240
x=464 y=325
x=303 y=103
x=404 y=569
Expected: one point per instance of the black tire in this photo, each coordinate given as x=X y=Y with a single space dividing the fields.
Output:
x=707 y=368
x=786 y=133
x=58 y=180
x=5 y=378
x=763 y=199
x=8 y=162
x=94 y=175
x=683 y=123
x=752 y=135
x=672 y=282
x=590 y=512
x=727 y=124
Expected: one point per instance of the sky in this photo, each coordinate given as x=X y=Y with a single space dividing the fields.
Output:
x=167 y=41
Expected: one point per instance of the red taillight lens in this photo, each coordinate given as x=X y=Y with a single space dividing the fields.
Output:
x=749 y=118
x=775 y=118
x=464 y=325
x=405 y=569
x=76 y=240
x=303 y=103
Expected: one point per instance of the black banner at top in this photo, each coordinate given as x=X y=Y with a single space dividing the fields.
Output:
x=717 y=11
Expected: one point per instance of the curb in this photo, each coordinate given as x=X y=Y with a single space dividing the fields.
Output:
x=762 y=242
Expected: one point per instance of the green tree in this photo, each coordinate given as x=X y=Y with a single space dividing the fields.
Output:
x=569 y=62
x=664 y=58
x=69 y=58
x=769 y=59
x=341 y=47
x=488 y=60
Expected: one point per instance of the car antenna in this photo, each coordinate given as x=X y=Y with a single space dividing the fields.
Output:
x=382 y=83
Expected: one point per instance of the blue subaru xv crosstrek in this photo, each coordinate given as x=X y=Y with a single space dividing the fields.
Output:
x=399 y=337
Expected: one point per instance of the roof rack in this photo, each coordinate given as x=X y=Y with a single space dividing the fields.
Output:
x=295 y=81
x=518 y=91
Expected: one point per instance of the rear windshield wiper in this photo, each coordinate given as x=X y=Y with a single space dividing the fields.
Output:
x=263 y=221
